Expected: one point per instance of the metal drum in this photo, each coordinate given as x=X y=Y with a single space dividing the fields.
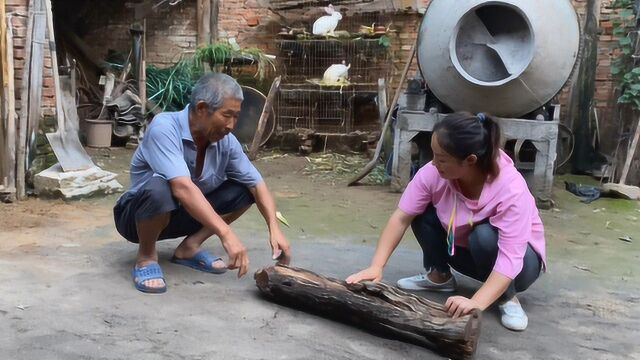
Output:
x=506 y=57
x=250 y=112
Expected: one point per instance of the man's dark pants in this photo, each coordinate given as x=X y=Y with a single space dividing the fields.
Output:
x=155 y=198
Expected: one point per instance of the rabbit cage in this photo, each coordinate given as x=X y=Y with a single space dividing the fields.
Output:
x=304 y=102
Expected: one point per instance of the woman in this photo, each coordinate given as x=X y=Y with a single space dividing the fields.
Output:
x=470 y=210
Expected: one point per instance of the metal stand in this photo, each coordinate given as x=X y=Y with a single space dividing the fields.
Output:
x=543 y=135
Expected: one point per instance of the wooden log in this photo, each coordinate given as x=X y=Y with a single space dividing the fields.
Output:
x=375 y=307
x=262 y=122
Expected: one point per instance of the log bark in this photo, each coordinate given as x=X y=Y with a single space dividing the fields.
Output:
x=375 y=307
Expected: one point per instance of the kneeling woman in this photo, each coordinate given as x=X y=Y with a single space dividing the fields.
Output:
x=470 y=210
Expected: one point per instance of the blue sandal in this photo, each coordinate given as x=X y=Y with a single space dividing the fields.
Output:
x=149 y=272
x=202 y=261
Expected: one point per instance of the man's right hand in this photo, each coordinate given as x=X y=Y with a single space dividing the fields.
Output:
x=238 y=258
x=369 y=274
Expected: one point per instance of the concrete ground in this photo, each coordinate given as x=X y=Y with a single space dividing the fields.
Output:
x=66 y=290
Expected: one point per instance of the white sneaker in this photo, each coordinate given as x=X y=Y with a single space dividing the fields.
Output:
x=422 y=282
x=513 y=316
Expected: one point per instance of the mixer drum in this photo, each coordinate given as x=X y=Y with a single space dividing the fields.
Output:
x=505 y=57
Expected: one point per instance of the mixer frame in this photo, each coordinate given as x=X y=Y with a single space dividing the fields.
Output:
x=542 y=134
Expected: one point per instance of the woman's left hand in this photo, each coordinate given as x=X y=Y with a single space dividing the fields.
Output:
x=459 y=305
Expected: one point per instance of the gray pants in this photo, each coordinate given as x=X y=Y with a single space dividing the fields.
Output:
x=477 y=260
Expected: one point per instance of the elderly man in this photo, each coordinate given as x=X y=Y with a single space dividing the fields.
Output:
x=190 y=177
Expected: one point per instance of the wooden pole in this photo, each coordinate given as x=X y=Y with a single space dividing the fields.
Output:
x=21 y=155
x=204 y=22
x=375 y=307
x=215 y=8
x=630 y=154
x=387 y=122
x=142 y=84
x=10 y=108
x=264 y=116
x=4 y=126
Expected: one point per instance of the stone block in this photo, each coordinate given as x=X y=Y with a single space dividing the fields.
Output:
x=625 y=191
x=76 y=184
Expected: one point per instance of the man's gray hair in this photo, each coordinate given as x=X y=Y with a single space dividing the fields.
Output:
x=213 y=89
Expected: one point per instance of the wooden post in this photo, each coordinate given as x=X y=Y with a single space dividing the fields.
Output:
x=262 y=122
x=630 y=154
x=21 y=154
x=375 y=307
x=142 y=82
x=204 y=22
x=10 y=108
x=215 y=9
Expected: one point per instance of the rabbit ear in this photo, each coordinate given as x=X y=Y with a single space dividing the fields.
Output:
x=329 y=9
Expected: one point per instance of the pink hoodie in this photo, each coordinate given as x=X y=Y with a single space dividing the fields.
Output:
x=506 y=202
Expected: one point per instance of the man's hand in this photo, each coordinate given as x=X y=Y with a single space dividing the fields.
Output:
x=459 y=305
x=280 y=246
x=238 y=258
x=368 y=274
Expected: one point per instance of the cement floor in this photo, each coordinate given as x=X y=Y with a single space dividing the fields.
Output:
x=66 y=291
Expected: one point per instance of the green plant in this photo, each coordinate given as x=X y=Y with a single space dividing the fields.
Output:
x=623 y=67
x=170 y=88
x=222 y=53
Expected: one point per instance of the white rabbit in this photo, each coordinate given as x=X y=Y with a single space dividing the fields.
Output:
x=336 y=74
x=325 y=25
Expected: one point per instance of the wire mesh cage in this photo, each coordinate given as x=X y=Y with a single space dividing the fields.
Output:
x=307 y=59
x=303 y=59
x=332 y=110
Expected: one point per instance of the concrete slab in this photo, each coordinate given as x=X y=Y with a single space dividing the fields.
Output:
x=66 y=289
x=75 y=184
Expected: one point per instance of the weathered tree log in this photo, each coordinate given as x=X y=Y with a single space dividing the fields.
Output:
x=375 y=307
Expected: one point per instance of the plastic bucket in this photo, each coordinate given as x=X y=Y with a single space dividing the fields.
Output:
x=98 y=133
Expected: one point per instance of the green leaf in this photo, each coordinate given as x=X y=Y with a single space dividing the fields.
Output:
x=282 y=219
x=615 y=68
x=636 y=71
x=625 y=41
x=384 y=41
x=626 y=13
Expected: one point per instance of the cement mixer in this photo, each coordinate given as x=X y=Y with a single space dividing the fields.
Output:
x=507 y=57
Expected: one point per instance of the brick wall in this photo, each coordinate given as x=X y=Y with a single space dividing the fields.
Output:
x=172 y=31
x=18 y=10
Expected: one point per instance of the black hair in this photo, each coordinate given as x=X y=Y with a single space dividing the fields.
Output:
x=463 y=134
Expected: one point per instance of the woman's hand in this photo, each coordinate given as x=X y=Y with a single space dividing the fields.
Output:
x=369 y=274
x=459 y=305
